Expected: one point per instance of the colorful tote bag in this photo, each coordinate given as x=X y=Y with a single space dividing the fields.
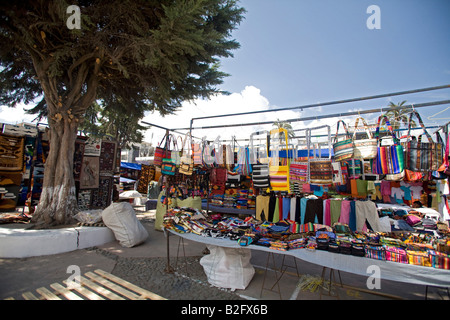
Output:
x=342 y=149
x=279 y=167
x=421 y=156
x=162 y=150
x=389 y=159
x=364 y=148
x=186 y=161
x=320 y=169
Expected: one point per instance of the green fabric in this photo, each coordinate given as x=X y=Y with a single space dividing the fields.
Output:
x=335 y=210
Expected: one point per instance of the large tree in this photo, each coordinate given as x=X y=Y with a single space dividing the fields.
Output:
x=150 y=54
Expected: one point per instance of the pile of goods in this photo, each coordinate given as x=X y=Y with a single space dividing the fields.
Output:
x=403 y=247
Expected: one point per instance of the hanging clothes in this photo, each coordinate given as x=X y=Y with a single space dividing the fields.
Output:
x=367 y=210
x=293 y=204
x=345 y=212
x=335 y=211
x=314 y=211
x=262 y=207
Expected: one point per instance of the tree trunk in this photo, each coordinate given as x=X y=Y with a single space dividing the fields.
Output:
x=58 y=203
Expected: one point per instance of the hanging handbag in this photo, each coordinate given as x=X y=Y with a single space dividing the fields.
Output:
x=197 y=152
x=320 y=169
x=175 y=153
x=389 y=159
x=421 y=156
x=298 y=170
x=186 y=161
x=278 y=169
x=342 y=149
x=162 y=151
x=168 y=167
x=259 y=159
x=354 y=168
x=364 y=148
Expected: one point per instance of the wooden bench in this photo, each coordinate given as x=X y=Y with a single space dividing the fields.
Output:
x=97 y=285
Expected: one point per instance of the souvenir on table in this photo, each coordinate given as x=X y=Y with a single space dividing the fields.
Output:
x=342 y=149
x=389 y=159
x=364 y=148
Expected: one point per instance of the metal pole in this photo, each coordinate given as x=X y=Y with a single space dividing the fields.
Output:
x=336 y=115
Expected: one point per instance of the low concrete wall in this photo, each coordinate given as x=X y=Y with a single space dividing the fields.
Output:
x=20 y=243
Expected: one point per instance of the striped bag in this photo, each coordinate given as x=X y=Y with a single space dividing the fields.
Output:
x=260 y=175
x=419 y=258
x=389 y=159
x=422 y=156
x=197 y=153
x=396 y=254
x=342 y=149
x=279 y=167
x=375 y=252
x=439 y=260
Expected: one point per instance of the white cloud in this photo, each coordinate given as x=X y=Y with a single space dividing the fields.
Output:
x=249 y=99
x=15 y=115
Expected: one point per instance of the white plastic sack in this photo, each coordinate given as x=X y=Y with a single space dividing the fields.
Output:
x=228 y=267
x=121 y=219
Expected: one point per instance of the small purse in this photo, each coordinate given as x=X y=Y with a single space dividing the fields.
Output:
x=342 y=149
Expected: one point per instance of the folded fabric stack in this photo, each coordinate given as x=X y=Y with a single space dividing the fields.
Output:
x=229 y=198
x=217 y=200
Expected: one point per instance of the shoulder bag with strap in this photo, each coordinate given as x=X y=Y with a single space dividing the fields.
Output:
x=342 y=149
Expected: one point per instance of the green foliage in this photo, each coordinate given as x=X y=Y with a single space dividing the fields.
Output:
x=398 y=116
x=149 y=55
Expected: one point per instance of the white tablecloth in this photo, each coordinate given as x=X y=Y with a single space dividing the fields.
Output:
x=357 y=265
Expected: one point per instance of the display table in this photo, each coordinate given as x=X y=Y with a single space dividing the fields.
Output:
x=388 y=270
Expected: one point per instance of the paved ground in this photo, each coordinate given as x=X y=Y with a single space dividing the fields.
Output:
x=146 y=266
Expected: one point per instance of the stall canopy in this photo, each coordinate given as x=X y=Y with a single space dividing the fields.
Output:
x=129 y=165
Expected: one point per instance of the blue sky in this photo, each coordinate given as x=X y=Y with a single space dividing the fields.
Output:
x=302 y=51
x=298 y=52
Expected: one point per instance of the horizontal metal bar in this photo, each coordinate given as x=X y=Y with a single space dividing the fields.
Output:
x=329 y=103
x=335 y=115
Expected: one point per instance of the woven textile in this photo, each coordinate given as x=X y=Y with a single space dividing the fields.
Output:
x=89 y=173
x=320 y=172
x=11 y=153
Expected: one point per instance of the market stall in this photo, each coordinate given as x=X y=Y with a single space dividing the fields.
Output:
x=389 y=193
